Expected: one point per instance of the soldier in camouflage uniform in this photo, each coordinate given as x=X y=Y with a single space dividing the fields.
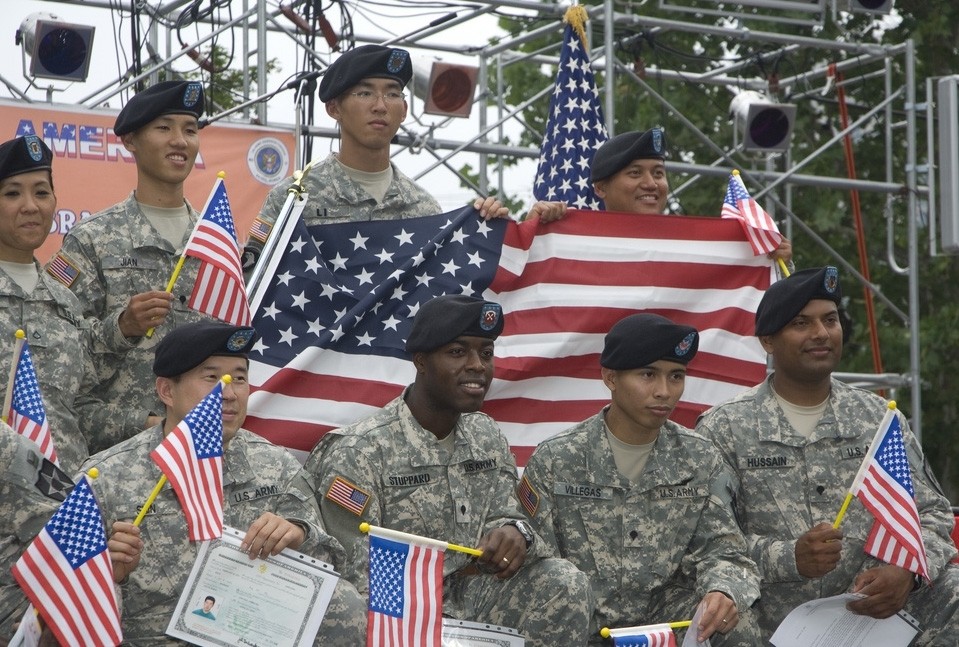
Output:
x=118 y=261
x=641 y=504
x=363 y=92
x=429 y=464
x=796 y=442
x=31 y=300
x=265 y=490
x=31 y=490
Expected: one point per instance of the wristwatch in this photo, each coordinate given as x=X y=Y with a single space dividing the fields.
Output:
x=524 y=529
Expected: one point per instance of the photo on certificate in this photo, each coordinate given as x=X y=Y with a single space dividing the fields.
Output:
x=230 y=599
x=462 y=633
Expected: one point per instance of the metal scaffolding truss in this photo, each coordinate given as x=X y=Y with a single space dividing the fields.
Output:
x=260 y=27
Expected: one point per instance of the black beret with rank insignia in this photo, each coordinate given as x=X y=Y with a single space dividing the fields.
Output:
x=188 y=346
x=442 y=319
x=620 y=151
x=365 y=62
x=786 y=298
x=165 y=98
x=641 y=339
x=24 y=154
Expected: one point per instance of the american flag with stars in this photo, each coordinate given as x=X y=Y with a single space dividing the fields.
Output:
x=575 y=128
x=884 y=486
x=191 y=456
x=660 y=635
x=219 y=290
x=406 y=593
x=759 y=227
x=27 y=414
x=67 y=574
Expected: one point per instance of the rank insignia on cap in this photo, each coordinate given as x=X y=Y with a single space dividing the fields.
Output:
x=347 y=495
x=239 y=340
x=657 y=140
x=33 y=147
x=528 y=497
x=683 y=347
x=192 y=94
x=63 y=270
x=831 y=280
x=396 y=61
x=490 y=315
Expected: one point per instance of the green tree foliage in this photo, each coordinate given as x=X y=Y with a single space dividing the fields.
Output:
x=934 y=28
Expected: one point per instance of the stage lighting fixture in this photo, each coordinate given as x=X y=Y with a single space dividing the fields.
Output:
x=57 y=50
x=447 y=89
x=765 y=126
x=870 y=6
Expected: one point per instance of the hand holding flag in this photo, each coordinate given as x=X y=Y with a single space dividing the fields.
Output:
x=884 y=486
x=191 y=457
x=67 y=574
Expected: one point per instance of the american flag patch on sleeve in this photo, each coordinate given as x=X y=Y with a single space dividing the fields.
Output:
x=63 y=270
x=347 y=495
x=527 y=497
x=260 y=230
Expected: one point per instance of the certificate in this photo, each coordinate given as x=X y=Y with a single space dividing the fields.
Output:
x=827 y=621
x=230 y=599
x=461 y=633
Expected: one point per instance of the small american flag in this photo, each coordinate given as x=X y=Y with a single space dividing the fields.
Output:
x=67 y=575
x=219 y=290
x=406 y=593
x=27 y=414
x=191 y=456
x=647 y=636
x=884 y=486
x=575 y=127
x=759 y=227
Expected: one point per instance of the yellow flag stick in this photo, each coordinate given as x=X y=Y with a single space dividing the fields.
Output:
x=8 y=397
x=891 y=408
x=179 y=263
x=782 y=266
x=679 y=624
x=405 y=536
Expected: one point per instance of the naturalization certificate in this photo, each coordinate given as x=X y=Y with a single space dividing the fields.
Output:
x=230 y=599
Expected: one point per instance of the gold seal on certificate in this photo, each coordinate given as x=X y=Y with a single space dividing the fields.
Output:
x=230 y=599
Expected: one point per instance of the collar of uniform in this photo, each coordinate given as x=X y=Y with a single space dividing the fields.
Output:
x=829 y=425
x=236 y=464
x=151 y=237
x=415 y=435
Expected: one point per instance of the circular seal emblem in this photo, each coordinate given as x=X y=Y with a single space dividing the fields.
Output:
x=191 y=95
x=830 y=282
x=239 y=340
x=33 y=147
x=397 y=60
x=268 y=160
x=490 y=315
x=683 y=347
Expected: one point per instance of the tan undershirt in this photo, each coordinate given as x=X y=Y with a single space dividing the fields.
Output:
x=630 y=459
x=23 y=274
x=802 y=419
x=376 y=184
x=171 y=224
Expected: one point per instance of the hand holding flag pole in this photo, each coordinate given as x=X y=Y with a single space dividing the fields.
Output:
x=8 y=397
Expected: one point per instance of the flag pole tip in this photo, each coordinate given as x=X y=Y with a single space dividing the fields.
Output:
x=364 y=527
x=94 y=473
x=735 y=171
x=604 y=632
x=20 y=334
x=221 y=174
x=227 y=379
x=892 y=404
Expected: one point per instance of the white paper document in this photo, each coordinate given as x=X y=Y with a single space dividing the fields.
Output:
x=230 y=599
x=827 y=623
x=462 y=633
x=690 y=639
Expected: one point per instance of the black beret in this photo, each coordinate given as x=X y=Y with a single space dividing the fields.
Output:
x=186 y=347
x=620 y=151
x=442 y=319
x=641 y=339
x=24 y=154
x=786 y=298
x=165 y=98
x=365 y=62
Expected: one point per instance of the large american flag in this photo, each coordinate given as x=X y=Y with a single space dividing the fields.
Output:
x=406 y=593
x=660 y=635
x=759 y=227
x=219 y=290
x=191 y=457
x=334 y=319
x=27 y=414
x=575 y=128
x=884 y=486
x=67 y=574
